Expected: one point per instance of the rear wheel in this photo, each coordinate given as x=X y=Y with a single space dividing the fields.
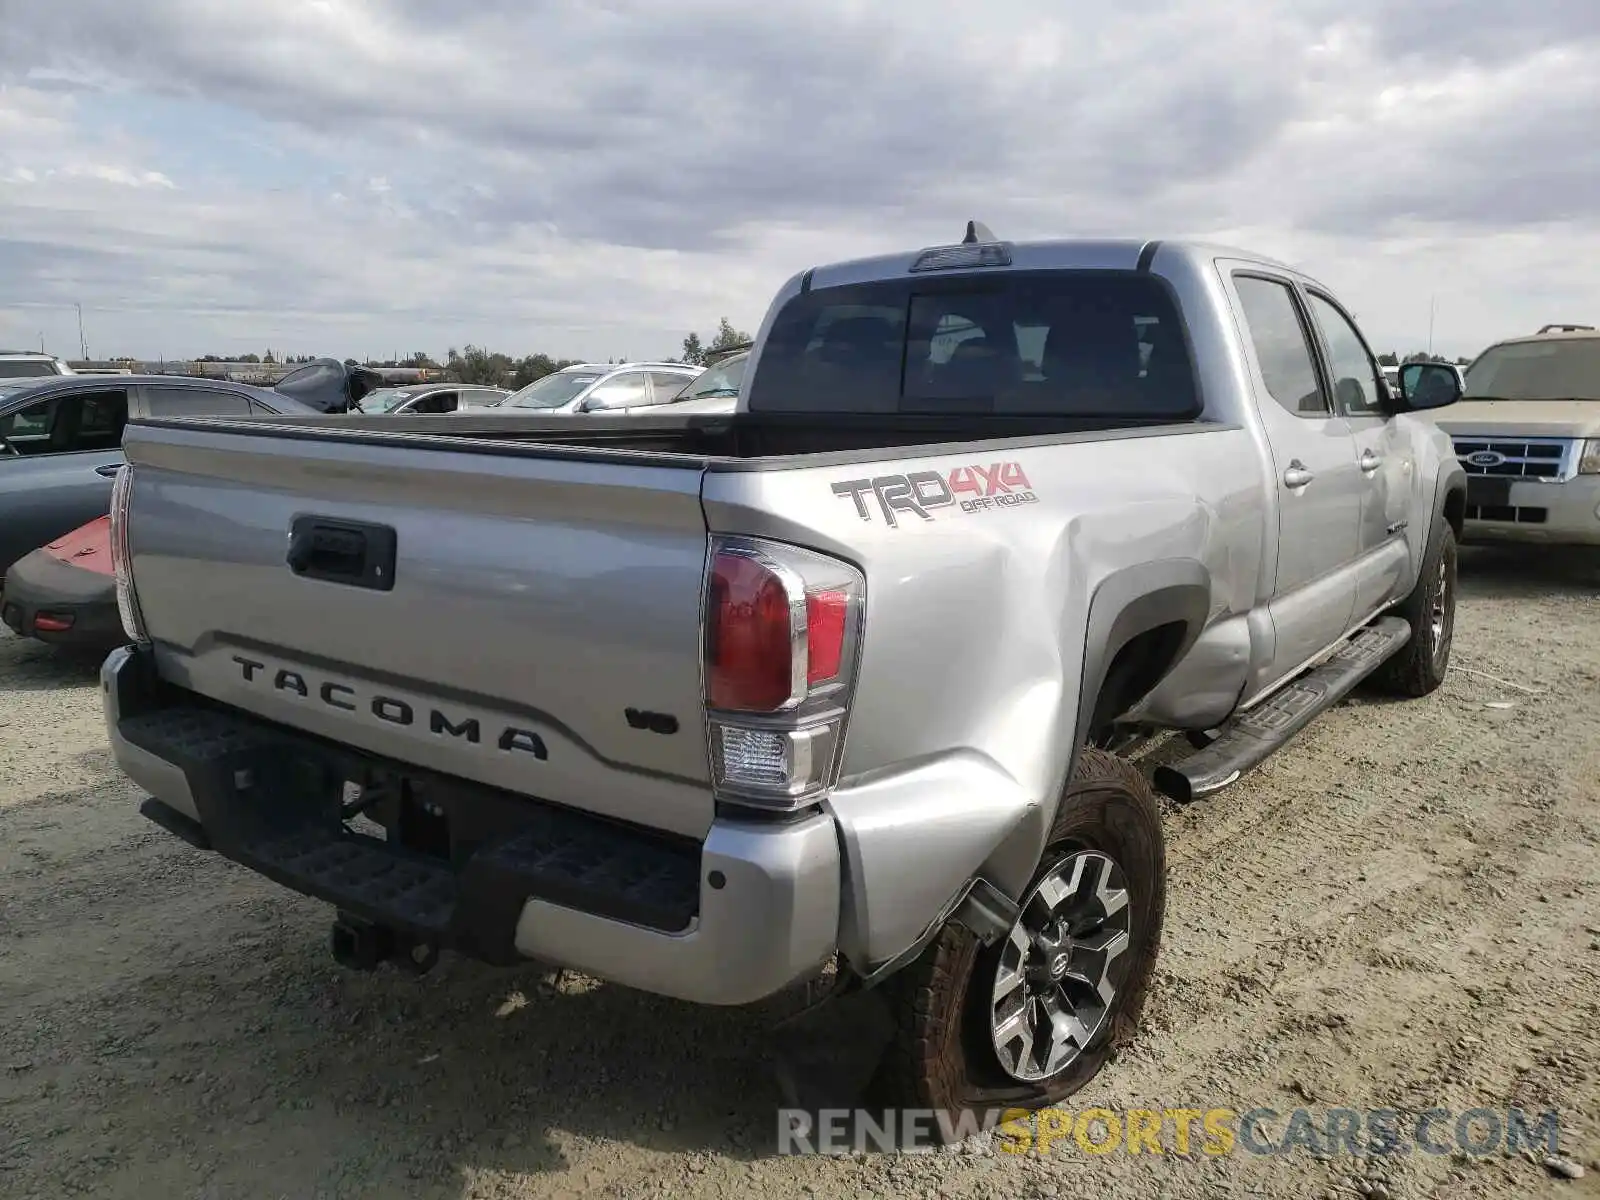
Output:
x=1420 y=666
x=1031 y=1019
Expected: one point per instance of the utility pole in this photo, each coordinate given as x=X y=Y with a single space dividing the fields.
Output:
x=1433 y=305
x=83 y=346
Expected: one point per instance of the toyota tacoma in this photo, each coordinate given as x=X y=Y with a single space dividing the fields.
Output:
x=701 y=704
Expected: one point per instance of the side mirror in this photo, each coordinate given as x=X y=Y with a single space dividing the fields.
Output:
x=1427 y=385
x=604 y=399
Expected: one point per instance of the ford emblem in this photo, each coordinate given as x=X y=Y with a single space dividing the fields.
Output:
x=1486 y=458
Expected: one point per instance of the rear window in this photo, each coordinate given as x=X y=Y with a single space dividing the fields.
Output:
x=25 y=368
x=1068 y=343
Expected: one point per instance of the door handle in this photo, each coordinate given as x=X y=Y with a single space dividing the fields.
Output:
x=109 y=470
x=1296 y=476
x=1370 y=462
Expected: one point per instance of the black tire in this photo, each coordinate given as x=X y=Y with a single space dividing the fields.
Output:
x=943 y=1055
x=1420 y=666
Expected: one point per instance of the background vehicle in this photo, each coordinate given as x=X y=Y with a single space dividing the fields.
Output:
x=24 y=364
x=716 y=390
x=620 y=388
x=61 y=442
x=695 y=704
x=431 y=398
x=64 y=592
x=1528 y=434
x=329 y=386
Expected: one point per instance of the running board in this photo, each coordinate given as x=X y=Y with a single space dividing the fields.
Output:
x=1248 y=740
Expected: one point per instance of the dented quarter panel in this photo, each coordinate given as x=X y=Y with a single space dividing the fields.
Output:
x=966 y=711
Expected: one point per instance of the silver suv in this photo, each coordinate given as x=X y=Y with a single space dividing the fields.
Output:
x=29 y=364
x=600 y=388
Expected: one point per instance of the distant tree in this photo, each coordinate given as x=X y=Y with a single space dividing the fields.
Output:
x=533 y=367
x=268 y=358
x=1388 y=359
x=697 y=353
x=728 y=337
x=476 y=364
x=248 y=358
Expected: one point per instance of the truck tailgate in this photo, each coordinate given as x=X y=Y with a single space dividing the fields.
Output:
x=536 y=604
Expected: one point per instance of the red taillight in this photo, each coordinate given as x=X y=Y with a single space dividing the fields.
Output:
x=750 y=640
x=783 y=636
x=774 y=629
x=827 y=614
x=53 y=622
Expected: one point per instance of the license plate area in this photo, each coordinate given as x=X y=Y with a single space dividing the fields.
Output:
x=399 y=810
x=1488 y=492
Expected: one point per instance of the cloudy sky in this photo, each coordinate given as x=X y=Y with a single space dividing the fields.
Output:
x=597 y=178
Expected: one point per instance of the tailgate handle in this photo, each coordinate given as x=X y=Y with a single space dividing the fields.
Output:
x=354 y=553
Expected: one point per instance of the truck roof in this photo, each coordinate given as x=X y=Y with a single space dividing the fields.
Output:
x=1055 y=254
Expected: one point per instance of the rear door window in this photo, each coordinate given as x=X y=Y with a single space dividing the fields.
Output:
x=1069 y=343
x=1282 y=345
x=666 y=385
x=195 y=402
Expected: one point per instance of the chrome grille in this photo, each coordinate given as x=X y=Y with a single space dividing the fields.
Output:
x=1552 y=460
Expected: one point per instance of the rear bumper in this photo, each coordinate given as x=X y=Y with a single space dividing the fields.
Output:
x=1562 y=514
x=85 y=601
x=730 y=920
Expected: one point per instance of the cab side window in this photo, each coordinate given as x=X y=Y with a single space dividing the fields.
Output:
x=74 y=423
x=438 y=402
x=1356 y=375
x=627 y=390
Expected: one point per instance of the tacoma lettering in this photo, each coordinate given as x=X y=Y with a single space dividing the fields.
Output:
x=391 y=709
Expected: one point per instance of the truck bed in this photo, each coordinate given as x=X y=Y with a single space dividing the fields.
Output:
x=752 y=439
x=523 y=599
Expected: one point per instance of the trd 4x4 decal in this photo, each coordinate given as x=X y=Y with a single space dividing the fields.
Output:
x=921 y=493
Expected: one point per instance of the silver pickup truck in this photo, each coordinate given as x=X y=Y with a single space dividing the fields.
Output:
x=703 y=704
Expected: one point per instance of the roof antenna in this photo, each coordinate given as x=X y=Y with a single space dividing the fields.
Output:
x=977 y=231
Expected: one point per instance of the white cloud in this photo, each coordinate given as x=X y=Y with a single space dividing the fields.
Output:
x=597 y=179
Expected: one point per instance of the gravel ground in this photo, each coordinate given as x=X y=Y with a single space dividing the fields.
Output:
x=1402 y=910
